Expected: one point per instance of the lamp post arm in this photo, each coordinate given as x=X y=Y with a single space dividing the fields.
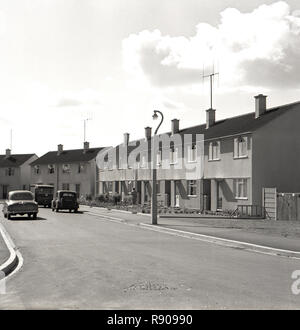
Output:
x=162 y=119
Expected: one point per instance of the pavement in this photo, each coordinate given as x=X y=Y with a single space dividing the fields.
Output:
x=258 y=232
x=94 y=261
x=4 y=252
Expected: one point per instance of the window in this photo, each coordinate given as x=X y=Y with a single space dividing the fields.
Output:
x=192 y=188
x=240 y=147
x=51 y=169
x=214 y=150
x=77 y=189
x=36 y=169
x=173 y=155
x=66 y=168
x=10 y=171
x=65 y=186
x=192 y=153
x=241 y=189
x=81 y=168
x=158 y=158
x=143 y=162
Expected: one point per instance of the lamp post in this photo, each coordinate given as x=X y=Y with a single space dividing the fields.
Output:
x=154 y=188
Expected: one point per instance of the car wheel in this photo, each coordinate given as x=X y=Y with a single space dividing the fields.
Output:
x=29 y=215
x=34 y=216
x=8 y=216
x=5 y=215
x=75 y=210
x=57 y=210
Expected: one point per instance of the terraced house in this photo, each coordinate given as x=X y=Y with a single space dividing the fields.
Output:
x=15 y=172
x=241 y=156
x=67 y=169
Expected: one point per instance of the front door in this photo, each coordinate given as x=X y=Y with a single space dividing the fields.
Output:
x=219 y=196
x=4 y=191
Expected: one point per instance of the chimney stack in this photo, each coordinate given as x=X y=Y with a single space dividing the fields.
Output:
x=126 y=138
x=210 y=117
x=175 y=126
x=86 y=146
x=148 y=133
x=60 y=149
x=260 y=105
x=7 y=153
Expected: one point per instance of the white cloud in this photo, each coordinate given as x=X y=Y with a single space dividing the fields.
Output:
x=260 y=48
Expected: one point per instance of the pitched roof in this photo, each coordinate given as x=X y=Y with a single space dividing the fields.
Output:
x=14 y=160
x=67 y=156
x=240 y=124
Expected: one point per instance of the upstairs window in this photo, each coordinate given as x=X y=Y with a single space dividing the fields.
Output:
x=81 y=168
x=173 y=155
x=66 y=168
x=10 y=171
x=158 y=158
x=37 y=169
x=214 y=150
x=240 y=147
x=192 y=153
x=51 y=169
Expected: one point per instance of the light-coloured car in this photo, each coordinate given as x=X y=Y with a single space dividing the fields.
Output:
x=20 y=202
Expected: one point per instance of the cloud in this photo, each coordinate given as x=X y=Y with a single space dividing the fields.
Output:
x=259 y=48
x=84 y=97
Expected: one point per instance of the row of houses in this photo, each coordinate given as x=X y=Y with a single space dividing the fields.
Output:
x=241 y=156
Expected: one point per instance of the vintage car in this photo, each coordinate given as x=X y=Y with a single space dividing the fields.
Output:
x=65 y=200
x=20 y=202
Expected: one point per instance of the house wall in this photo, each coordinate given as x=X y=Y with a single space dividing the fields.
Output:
x=25 y=172
x=276 y=160
x=12 y=182
x=87 y=179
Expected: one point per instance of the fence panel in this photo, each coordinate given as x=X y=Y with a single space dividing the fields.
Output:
x=288 y=206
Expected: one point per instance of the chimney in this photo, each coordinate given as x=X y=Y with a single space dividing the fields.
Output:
x=126 y=138
x=7 y=153
x=210 y=117
x=175 y=126
x=148 y=132
x=260 y=105
x=60 y=149
x=86 y=146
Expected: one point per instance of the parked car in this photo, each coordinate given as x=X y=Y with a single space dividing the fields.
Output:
x=65 y=200
x=20 y=202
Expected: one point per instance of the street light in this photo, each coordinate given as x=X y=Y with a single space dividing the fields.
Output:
x=154 y=188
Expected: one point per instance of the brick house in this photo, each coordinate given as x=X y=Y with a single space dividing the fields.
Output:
x=242 y=155
x=68 y=169
x=15 y=172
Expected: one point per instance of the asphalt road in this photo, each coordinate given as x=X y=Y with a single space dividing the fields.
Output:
x=80 y=261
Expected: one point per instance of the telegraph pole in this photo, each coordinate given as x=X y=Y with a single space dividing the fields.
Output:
x=211 y=76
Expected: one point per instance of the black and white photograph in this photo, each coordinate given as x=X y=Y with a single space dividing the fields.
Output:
x=149 y=157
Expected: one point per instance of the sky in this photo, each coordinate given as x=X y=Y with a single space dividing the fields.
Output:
x=112 y=63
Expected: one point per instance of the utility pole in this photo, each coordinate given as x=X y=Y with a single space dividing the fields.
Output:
x=11 y=140
x=211 y=76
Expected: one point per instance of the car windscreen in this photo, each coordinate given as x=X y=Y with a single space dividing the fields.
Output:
x=44 y=190
x=68 y=196
x=21 y=197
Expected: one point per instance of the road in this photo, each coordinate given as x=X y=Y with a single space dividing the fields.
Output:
x=80 y=261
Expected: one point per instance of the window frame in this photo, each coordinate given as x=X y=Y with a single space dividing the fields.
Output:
x=241 y=182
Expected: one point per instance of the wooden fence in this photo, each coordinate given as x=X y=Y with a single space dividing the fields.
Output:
x=281 y=206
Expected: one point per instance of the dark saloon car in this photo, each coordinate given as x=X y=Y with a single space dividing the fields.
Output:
x=20 y=202
x=65 y=200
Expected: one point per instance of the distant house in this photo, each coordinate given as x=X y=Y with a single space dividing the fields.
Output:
x=242 y=155
x=15 y=172
x=67 y=169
